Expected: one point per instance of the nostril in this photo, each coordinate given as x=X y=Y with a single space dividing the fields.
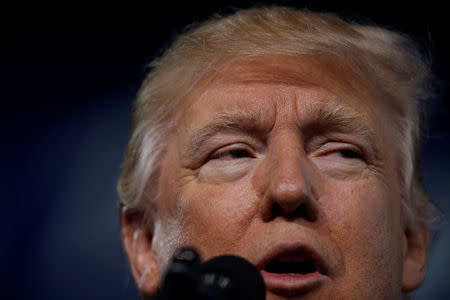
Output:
x=306 y=212
x=302 y=211
x=276 y=210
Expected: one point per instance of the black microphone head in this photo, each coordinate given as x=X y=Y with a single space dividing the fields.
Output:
x=187 y=256
x=181 y=277
x=234 y=276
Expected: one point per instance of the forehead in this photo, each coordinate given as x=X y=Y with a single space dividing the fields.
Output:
x=263 y=84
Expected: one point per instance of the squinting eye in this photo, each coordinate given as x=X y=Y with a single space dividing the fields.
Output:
x=348 y=153
x=233 y=154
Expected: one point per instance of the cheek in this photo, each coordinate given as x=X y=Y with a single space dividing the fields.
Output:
x=365 y=210
x=364 y=221
x=217 y=217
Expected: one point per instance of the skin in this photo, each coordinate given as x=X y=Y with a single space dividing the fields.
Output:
x=281 y=151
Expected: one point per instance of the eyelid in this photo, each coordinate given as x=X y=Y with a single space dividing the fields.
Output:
x=337 y=146
x=231 y=147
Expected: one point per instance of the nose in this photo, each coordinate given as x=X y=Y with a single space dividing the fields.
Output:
x=288 y=189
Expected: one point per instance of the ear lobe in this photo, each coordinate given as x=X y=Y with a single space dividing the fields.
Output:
x=415 y=257
x=137 y=240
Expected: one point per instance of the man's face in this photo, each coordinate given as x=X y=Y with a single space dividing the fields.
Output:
x=287 y=162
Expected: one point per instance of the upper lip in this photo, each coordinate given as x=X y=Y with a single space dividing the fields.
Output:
x=296 y=251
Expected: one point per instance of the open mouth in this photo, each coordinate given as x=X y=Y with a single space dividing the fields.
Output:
x=293 y=270
x=291 y=266
x=300 y=261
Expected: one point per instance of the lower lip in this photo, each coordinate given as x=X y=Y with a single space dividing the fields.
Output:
x=292 y=284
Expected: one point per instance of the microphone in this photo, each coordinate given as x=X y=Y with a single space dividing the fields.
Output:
x=233 y=277
x=221 y=278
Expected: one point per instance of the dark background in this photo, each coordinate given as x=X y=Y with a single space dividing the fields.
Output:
x=68 y=78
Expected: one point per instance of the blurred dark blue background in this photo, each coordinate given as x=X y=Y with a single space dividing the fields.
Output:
x=69 y=76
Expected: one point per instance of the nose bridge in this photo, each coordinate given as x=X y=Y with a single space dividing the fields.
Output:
x=284 y=180
x=288 y=175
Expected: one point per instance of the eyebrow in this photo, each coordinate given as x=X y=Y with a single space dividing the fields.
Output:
x=339 y=118
x=248 y=122
x=320 y=119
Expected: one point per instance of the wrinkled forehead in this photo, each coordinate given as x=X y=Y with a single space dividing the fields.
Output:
x=321 y=73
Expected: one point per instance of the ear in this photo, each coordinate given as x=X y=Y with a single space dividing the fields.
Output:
x=415 y=256
x=137 y=239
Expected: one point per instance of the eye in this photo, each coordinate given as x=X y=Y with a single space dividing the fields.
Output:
x=341 y=150
x=232 y=154
x=340 y=160
x=228 y=163
x=350 y=154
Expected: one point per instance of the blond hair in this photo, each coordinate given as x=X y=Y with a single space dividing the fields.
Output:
x=391 y=59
